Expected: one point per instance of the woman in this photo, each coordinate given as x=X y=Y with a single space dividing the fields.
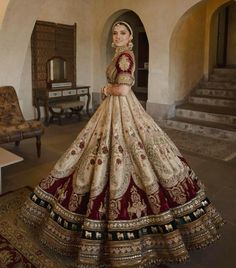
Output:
x=122 y=195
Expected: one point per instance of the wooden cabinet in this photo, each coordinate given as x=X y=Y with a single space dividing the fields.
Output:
x=52 y=40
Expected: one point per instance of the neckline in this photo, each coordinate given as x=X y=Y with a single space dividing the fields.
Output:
x=121 y=49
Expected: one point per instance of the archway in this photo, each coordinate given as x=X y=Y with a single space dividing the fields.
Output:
x=187 y=52
x=223 y=26
x=141 y=51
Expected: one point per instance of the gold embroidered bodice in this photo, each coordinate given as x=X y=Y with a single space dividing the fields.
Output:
x=121 y=68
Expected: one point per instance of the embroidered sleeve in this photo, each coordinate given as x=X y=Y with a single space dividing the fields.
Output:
x=125 y=69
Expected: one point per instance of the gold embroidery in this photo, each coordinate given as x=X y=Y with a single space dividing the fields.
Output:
x=137 y=206
x=90 y=206
x=124 y=63
x=75 y=201
x=102 y=210
x=114 y=209
x=155 y=203
x=61 y=192
x=178 y=195
x=47 y=182
x=125 y=78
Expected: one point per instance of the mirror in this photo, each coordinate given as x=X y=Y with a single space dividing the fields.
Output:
x=56 y=70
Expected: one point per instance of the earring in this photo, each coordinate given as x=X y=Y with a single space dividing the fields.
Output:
x=113 y=44
x=130 y=45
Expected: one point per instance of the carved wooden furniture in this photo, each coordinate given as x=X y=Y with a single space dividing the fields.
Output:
x=50 y=40
x=54 y=71
x=63 y=99
x=13 y=126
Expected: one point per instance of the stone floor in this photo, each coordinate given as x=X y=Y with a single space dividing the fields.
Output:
x=218 y=176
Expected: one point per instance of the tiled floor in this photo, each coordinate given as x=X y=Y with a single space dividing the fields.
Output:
x=218 y=176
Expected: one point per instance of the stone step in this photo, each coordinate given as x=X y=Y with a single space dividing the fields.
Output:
x=225 y=71
x=216 y=92
x=224 y=75
x=218 y=85
x=205 y=128
x=215 y=101
x=223 y=115
x=222 y=78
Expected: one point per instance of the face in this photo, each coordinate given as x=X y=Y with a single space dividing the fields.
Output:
x=121 y=35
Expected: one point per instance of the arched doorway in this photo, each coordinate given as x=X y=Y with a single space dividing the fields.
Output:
x=141 y=51
x=226 y=36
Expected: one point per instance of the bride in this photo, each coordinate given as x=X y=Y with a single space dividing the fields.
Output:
x=122 y=195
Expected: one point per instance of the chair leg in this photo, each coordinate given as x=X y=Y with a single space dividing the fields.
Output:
x=38 y=145
x=17 y=143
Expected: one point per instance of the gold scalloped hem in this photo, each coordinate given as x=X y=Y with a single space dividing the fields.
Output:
x=204 y=244
x=57 y=250
x=150 y=263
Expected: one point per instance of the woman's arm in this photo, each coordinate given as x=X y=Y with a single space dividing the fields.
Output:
x=116 y=90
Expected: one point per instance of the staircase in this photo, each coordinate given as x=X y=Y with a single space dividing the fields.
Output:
x=211 y=109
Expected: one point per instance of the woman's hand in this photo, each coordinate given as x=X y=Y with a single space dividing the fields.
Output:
x=103 y=92
x=117 y=90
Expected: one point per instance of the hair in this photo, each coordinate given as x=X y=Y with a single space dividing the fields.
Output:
x=124 y=23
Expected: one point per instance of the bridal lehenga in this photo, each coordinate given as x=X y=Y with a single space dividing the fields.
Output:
x=122 y=195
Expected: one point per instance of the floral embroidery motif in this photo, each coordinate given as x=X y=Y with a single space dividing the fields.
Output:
x=47 y=182
x=178 y=194
x=114 y=209
x=124 y=63
x=155 y=203
x=75 y=201
x=90 y=207
x=102 y=210
x=137 y=206
x=61 y=192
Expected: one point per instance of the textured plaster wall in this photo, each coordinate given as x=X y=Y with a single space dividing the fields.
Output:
x=3 y=7
x=187 y=52
x=14 y=38
x=15 y=34
x=162 y=20
x=68 y=12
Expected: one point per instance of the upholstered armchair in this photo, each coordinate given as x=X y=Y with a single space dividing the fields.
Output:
x=13 y=126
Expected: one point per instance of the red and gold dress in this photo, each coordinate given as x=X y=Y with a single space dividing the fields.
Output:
x=122 y=195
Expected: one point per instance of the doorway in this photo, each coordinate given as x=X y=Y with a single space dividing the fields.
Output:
x=141 y=52
x=226 y=37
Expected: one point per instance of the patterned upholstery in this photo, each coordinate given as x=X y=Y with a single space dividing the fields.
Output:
x=13 y=126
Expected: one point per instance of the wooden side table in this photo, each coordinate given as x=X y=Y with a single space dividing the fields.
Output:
x=48 y=98
x=7 y=158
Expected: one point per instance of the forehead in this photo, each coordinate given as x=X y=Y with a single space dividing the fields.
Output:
x=120 y=27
